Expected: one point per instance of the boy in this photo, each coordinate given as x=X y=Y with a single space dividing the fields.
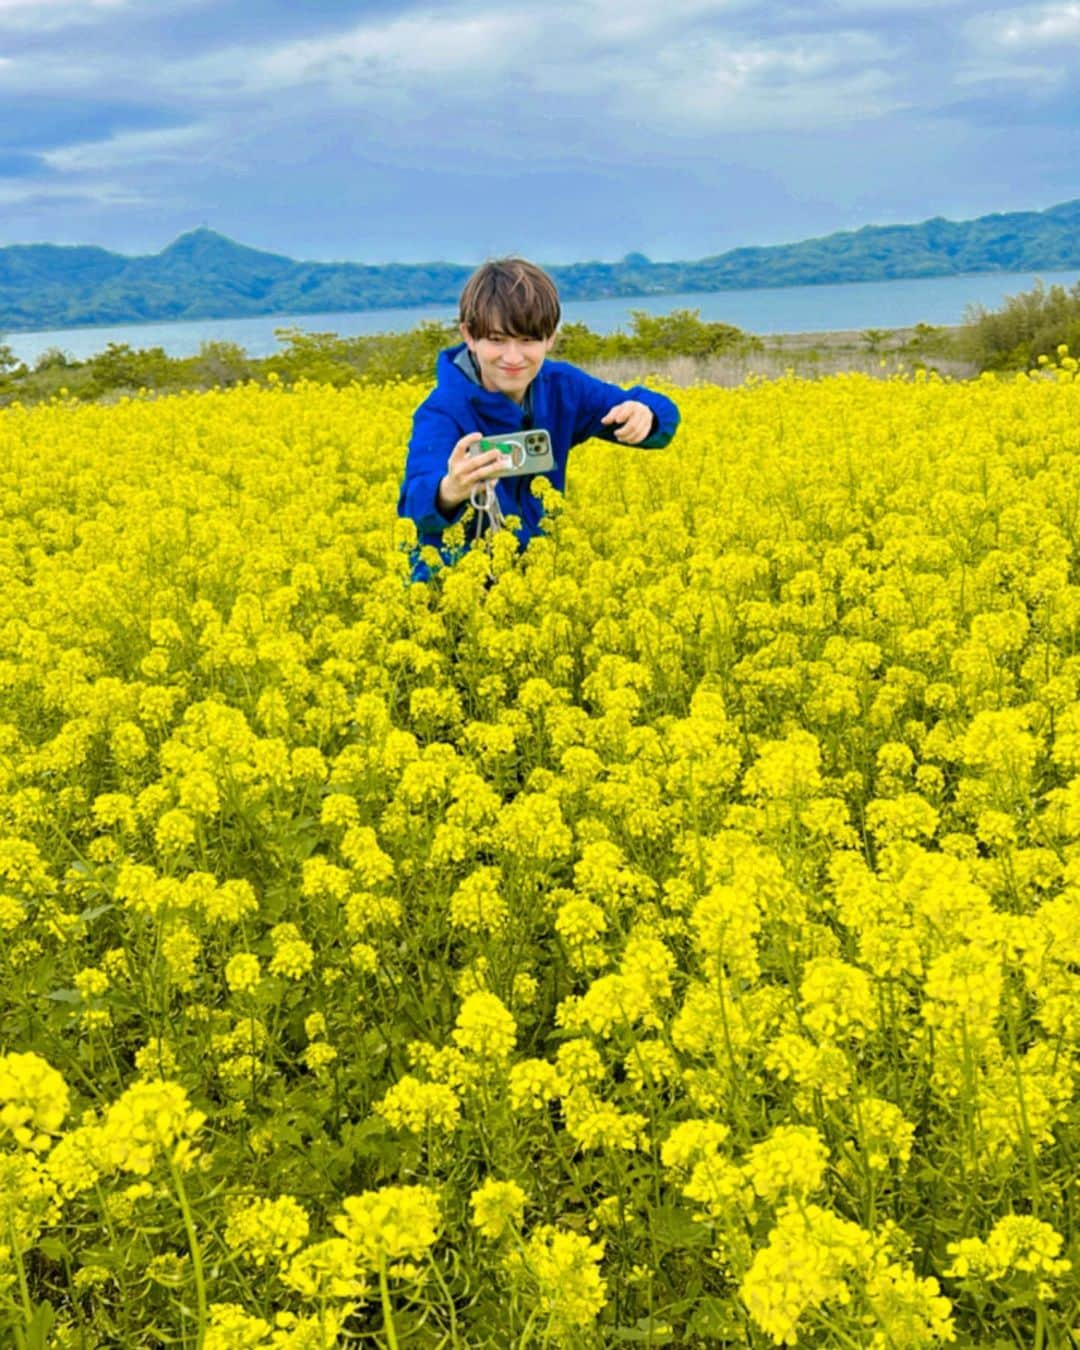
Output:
x=498 y=380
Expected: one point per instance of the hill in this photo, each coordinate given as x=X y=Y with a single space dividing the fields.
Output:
x=204 y=275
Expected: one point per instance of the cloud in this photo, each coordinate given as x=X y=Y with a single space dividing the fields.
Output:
x=1004 y=105
x=46 y=15
x=330 y=123
x=1035 y=50
x=676 y=64
x=102 y=195
x=130 y=148
x=374 y=55
x=1038 y=26
x=716 y=84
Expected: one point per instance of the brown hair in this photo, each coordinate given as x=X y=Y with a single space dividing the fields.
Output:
x=511 y=296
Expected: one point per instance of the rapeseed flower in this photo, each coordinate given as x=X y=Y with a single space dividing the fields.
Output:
x=485 y=1028
x=261 y=1230
x=33 y=1100
x=497 y=1206
x=393 y=1224
x=563 y=1272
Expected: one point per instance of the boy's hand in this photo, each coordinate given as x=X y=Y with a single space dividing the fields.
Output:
x=633 y=421
x=464 y=473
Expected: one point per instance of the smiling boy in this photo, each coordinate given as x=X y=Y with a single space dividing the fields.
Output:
x=498 y=379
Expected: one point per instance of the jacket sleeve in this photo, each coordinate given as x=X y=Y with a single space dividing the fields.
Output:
x=434 y=435
x=596 y=398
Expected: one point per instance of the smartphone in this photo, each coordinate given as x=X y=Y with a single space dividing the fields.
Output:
x=522 y=452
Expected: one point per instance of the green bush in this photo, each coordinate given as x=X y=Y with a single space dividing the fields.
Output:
x=684 y=333
x=220 y=364
x=1029 y=325
x=655 y=337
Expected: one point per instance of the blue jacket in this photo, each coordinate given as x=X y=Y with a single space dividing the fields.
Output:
x=563 y=400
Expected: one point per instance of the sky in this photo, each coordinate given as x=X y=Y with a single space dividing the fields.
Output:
x=568 y=130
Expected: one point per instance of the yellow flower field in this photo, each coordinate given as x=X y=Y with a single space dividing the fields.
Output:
x=676 y=942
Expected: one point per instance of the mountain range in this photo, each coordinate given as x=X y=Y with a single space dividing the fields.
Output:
x=203 y=275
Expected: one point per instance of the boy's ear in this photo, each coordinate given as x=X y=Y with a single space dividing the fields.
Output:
x=469 y=341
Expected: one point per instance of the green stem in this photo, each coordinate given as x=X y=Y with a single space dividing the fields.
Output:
x=24 y=1289
x=387 y=1310
x=196 y=1251
x=449 y=1301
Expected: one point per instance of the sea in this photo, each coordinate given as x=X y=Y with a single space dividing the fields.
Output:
x=854 y=306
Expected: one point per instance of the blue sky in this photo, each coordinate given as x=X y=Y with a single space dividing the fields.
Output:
x=567 y=130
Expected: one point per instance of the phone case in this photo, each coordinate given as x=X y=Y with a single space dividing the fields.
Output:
x=523 y=451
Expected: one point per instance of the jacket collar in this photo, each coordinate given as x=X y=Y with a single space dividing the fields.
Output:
x=458 y=364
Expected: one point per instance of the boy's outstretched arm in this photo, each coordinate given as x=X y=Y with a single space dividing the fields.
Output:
x=618 y=415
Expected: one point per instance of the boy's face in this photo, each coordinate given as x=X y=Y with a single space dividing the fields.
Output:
x=508 y=365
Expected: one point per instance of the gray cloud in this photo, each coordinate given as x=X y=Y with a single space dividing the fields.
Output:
x=371 y=129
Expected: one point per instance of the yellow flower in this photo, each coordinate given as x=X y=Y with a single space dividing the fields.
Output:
x=231 y=1328
x=33 y=1099
x=808 y=1263
x=477 y=905
x=293 y=957
x=563 y=1271
x=791 y=1162
x=262 y=1230
x=242 y=972
x=326 y=1269
x=534 y=1083
x=1017 y=1242
x=485 y=1028
x=149 y=1120
x=393 y=1224
x=497 y=1206
x=417 y=1106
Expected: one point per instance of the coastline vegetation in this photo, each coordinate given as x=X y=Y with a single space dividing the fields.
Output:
x=1027 y=326
x=680 y=345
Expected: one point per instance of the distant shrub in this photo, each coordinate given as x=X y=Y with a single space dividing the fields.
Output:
x=53 y=358
x=655 y=337
x=122 y=367
x=220 y=364
x=1029 y=325
x=330 y=359
x=684 y=333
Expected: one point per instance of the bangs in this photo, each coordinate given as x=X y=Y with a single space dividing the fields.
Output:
x=510 y=296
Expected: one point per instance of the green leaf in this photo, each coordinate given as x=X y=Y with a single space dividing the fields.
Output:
x=715 y=1319
x=673 y=1226
x=659 y=1333
x=39 y=1326
x=94 y=912
x=53 y=1249
x=65 y=996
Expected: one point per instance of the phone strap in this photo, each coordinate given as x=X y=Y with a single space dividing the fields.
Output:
x=484 y=502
